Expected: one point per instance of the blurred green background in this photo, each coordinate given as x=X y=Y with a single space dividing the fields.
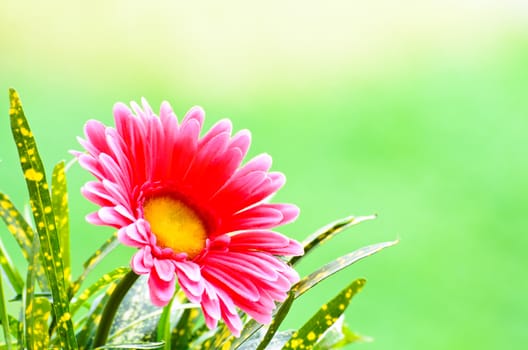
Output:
x=416 y=111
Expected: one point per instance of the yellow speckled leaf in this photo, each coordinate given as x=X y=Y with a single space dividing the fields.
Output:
x=327 y=232
x=182 y=332
x=15 y=280
x=41 y=206
x=337 y=265
x=280 y=315
x=102 y=283
x=110 y=244
x=309 y=334
x=23 y=234
x=4 y=317
x=93 y=319
x=37 y=310
x=59 y=200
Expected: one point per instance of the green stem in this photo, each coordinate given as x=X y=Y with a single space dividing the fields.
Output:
x=111 y=308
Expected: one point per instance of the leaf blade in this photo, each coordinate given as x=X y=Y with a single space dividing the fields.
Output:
x=337 y=265
x=12 y=274
x=96 y=287
x=92 y=262
x=4 y=318
x=277 y=321
x=59 y=200
x=328 y=232
x=34 y=173
x=23 y=233
x=312 y=331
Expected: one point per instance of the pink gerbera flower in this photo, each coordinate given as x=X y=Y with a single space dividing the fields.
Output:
x=194 y=213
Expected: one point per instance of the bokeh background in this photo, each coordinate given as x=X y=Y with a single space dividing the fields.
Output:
x=414 y=110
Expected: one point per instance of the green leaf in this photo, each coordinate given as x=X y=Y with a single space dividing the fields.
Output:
x=338 y=336
x=111 y=307
x=328 y=314
x=42 y=209
x=90 y=264
x=279 y=316
x=137 y=320
x=15 y=280
x=4 y=318
x=164 y=326
x=23 y=234
x=152 y=345
x=308 y=282
x=337 y=265
x=59 y=200
x=183 y=331
x=328 y=232
x=37 y=310
x=17 y=225
x=14 y=328
x=276 y=343
x=102 y=283
x=92 y=320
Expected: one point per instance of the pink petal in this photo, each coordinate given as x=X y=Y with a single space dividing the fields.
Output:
x=113 y=217
x=137 y=234
x=93 y=218
x=164 y=269
x=241 y=141
x=161 y=291
x=190 y=279
x=195 y=113
x=96 y=193
x=229 y=313
x=211 y=306
x=261 y=216
x=95 y=137
x=268 y=241
x=241 y=287
x=223 y=126
x=142 y=262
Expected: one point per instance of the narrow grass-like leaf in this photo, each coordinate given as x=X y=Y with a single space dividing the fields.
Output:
x=96 y=287
x=150 y=323
x=308 y=282
x=15 y=280
x=4 y=318
x=280 y=315
x=337 y=265
x=17 y=225
x=90 y=264
x=338 y=336
x=183 y=331
x=201 y=338
x=42 y=209
x=37 y=310
x=129 y=330
x=23 y=233
x=152 y=345
x=59 y=199
x=14 y=327
x=38 y=314
x=220 y=338
x=164 y=326
x=92 y=320
x=111 y=307
x=328 y=314
x=328 y=232
x=276 y=343
x=250 y=328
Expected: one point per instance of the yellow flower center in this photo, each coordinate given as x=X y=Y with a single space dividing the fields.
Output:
x=175 y=225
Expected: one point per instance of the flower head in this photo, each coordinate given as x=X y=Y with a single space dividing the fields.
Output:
x=195 y=214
